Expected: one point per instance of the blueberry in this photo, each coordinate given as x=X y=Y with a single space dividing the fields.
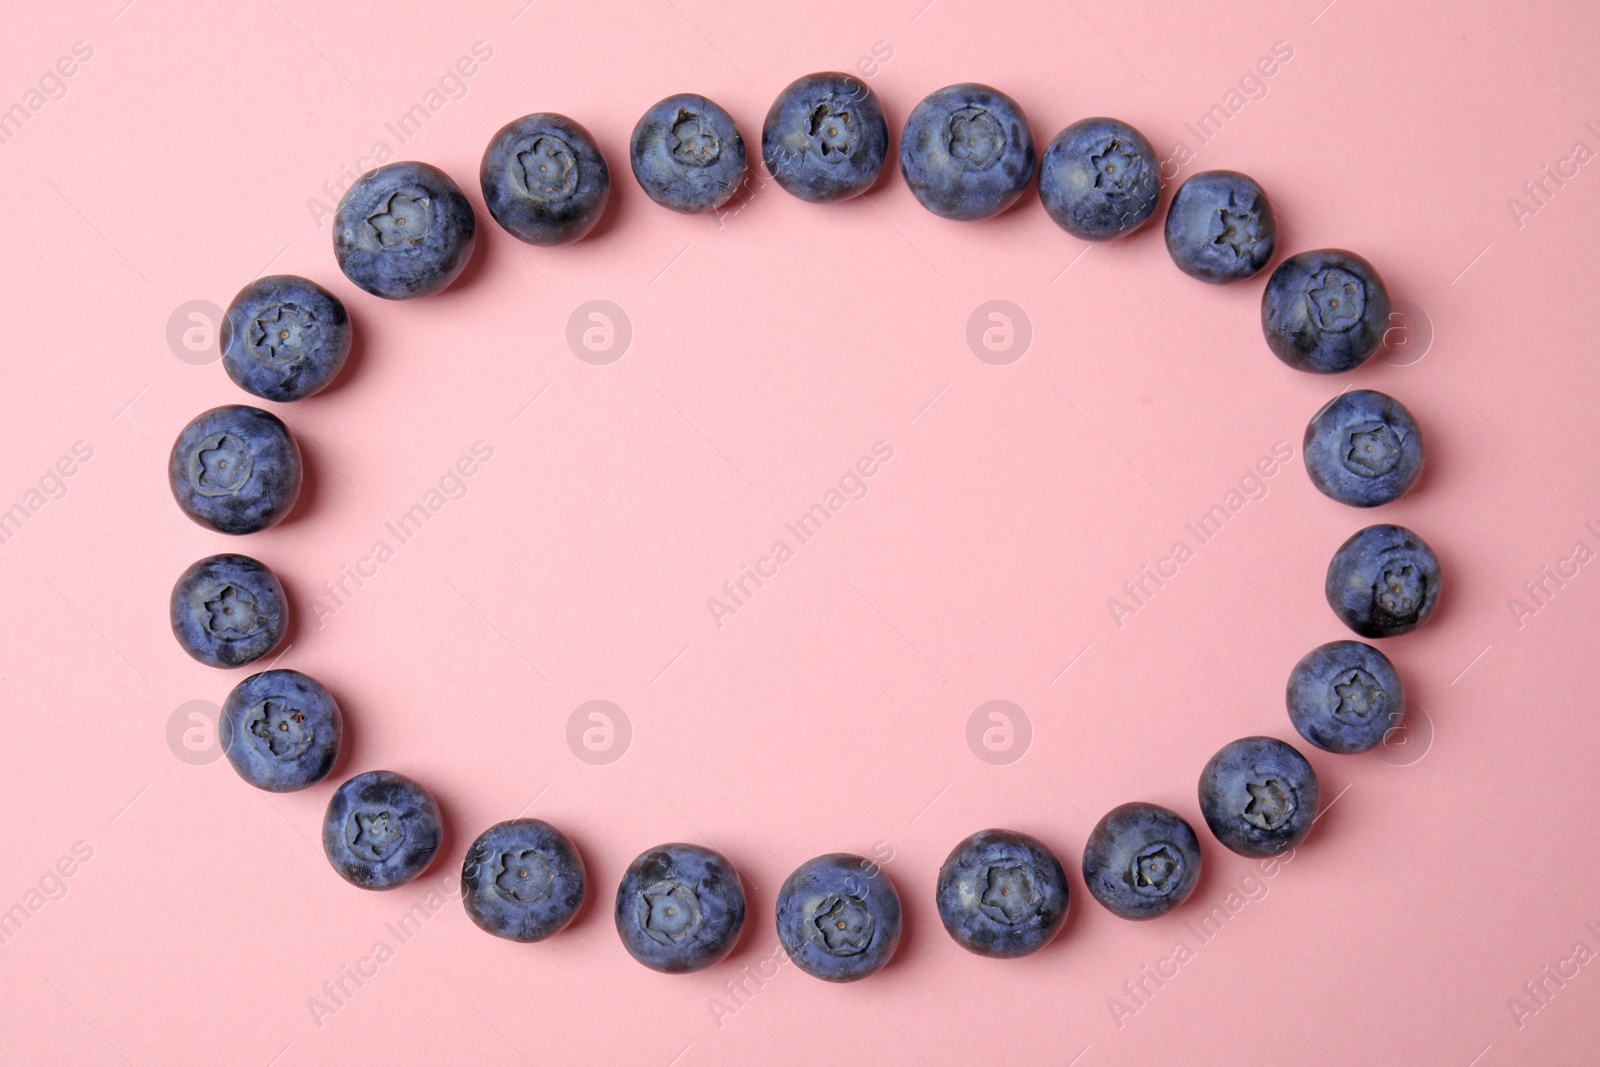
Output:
x=381 y=830
x=1099 y=179
x=966 y=152
x=235 y=469
x=1363 y=449
x=228 y=610
x=1002 y=894
x=825 y=138
x=284 y=338
x=680 y=908
x=1259 y=796
x=403 y=230
x=1324 y=311
x=522 y=880
x=1141 y=861
x=687 y=154
x=1344 y=696
x=1384 y=581
x=544 y=179
x=281 y=730
x=839 y=917
x=1220 y=227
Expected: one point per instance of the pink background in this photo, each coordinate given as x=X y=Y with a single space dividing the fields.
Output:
x=770 y=349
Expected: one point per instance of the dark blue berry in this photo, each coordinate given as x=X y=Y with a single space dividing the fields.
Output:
x=825 y=138
x=1099 y=179
x=381 y=830
x=281 y=730
x=839 y=917
x=403 y=230
x=522 y=880
x=1383 y=582
x=1220 y=227
x=1363 y=448
x=680 y=908
x=235 y=469
x=1259 y=796
x=228 y=610
x=1325 y=312
x=1002 y=894
x=967 y=152
x=284 y=338
x=1141 y=861
x=687 y=154
x=544 y=179
x=1345 y=696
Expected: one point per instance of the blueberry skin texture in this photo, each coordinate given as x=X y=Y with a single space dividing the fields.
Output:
x=281 y=730
x=235 y=469
x=228 y=610
x=1258 y=796
x=1141 y=861
x=522 y=880
x=1383 y=582
x=381 y=830
x=1363 y=449
x=839 y=917
x=1220 y=227
x=1345 y=696
x=403 y=230
x=825 y=138
x=1099 y=179
x=1002 y=894
x=544 y=179
x=680 y=908
x=284 y=338
x=1325 y=312
x=966 y=152
x=687 y=154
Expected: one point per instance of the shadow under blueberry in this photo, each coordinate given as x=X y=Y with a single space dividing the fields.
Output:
x=354 y=365
x=311 y=477
x=477 y=263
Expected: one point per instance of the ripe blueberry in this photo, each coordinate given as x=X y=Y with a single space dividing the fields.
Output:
x=1344 y=696
x=281 y=730
x=228 y=610
x=544 y=179
x=403 y=230
x=1324 y=311
x=687 y=154
x=381 y=830
x=1259 y=796
x=1220 y=227
x=1002 y=894
x=1141 y=861
x=522 y=880
x=1099 y=179
x=284 y=338
x=825 y=138
x=1383 y=581
x=967 y=152
x=1363 y=449
x=839 y=917
x=235 y=469
x=680 y=908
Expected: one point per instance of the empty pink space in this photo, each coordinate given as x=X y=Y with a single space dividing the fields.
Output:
x=550 y=485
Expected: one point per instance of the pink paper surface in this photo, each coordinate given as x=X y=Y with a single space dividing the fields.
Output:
x=1438 y=914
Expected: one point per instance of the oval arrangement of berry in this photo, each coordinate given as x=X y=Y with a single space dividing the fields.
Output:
x=405 y=230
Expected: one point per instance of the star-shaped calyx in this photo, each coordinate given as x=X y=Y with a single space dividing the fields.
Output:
x=845 y=925
x=232 y=613
x=549 y=169
x=403 y=220
x=1008 y=893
